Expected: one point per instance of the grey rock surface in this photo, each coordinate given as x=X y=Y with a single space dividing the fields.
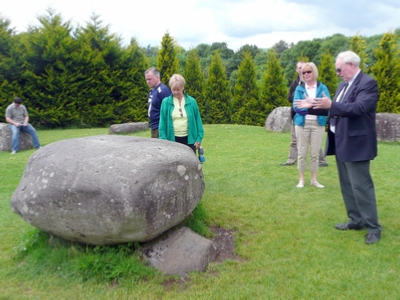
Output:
x=387 y=127
x=109 y=189
x=279 y=120
x=128 y=127
x=181 y=252
x=25 y=140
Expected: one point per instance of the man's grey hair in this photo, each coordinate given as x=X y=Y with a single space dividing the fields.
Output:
x=153 y=70
x=350 y=56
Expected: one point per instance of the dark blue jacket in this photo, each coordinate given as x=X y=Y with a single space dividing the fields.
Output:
x=355 y=132
x=156 y=96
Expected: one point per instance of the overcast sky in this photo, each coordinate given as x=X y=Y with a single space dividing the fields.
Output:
x=235 y=22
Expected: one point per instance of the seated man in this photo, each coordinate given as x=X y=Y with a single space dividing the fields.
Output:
x=17 y=116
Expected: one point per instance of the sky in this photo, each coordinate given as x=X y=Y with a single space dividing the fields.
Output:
x=236 y=22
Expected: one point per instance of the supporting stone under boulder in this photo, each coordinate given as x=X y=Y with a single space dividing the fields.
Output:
x=180 y=252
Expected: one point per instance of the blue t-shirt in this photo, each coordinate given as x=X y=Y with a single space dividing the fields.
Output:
x=156 y=96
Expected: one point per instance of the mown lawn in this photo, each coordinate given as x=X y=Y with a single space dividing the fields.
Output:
x=284 y=236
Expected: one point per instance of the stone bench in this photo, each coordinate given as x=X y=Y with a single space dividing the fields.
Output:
x=25 y=140
x=128 y=127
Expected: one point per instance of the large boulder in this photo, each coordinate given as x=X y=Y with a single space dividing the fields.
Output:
x=388 y=127
x=128 y=127
x=279 y=120
x=25 y=140
x=109 y=189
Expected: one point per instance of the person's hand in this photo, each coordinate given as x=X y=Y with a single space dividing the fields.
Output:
x=25 y=124
x=322 y=103
x=18 y=124
x=303 y=103
x=197 y=144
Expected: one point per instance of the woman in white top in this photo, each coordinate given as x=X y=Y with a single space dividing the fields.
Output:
x=309 y=128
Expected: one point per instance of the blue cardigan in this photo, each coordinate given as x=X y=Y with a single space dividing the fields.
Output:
x=299 y=117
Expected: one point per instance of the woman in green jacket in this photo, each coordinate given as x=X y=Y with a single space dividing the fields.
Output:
x=180 y=119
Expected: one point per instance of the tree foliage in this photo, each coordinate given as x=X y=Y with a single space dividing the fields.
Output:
x=274 y=87
x=327 y=74
x=217 y=93
x=245 y=106
x=83 y=76
x=10 y=62
x=387 y=73
x=167 y=61
x=358 y=45
x=195 y=80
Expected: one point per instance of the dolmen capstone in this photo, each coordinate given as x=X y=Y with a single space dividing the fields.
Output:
x=110 y=189
x=25 y=140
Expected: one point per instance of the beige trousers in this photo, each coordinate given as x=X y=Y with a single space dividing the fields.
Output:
x=292 y=158
x=310 y=135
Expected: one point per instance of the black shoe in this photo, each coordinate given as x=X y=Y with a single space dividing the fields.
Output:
x=322 y=165
x=287 y=164
x=349 y=226
x=372 y=238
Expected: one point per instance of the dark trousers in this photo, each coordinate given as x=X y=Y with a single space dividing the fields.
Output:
x=154 y=133
x=184 y=140
x=359 y=194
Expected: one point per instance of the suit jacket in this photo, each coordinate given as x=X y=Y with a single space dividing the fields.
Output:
x=355 y=132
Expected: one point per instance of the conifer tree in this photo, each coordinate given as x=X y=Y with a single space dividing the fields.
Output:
x=167 y=61
x=245 y=106
x=10 y=64
x=217 y=93
x=387 y=73
x=273 y=88
x=358 y=45
x=195 y=80
x=47 y=79
x=327 y=74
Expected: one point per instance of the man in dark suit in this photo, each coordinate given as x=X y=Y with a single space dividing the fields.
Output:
x=352 y=139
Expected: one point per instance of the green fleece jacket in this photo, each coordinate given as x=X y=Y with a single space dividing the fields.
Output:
x=195 y=125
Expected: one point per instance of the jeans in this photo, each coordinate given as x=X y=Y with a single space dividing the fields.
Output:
x=15 y=136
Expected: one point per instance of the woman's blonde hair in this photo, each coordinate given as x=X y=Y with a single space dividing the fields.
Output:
x=177 y=80
x=313 y=68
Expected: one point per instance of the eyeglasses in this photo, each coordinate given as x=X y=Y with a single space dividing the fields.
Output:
x=307 y=72
x=339 y=70
x=180 y=110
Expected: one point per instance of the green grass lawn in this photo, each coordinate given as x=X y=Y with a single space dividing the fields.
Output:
x=284 y=236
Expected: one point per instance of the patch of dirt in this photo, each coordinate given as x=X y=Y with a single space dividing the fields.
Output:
x=223 y=239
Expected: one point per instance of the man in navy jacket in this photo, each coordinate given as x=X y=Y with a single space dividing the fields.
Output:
x=352 y=139
x=156 y=95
